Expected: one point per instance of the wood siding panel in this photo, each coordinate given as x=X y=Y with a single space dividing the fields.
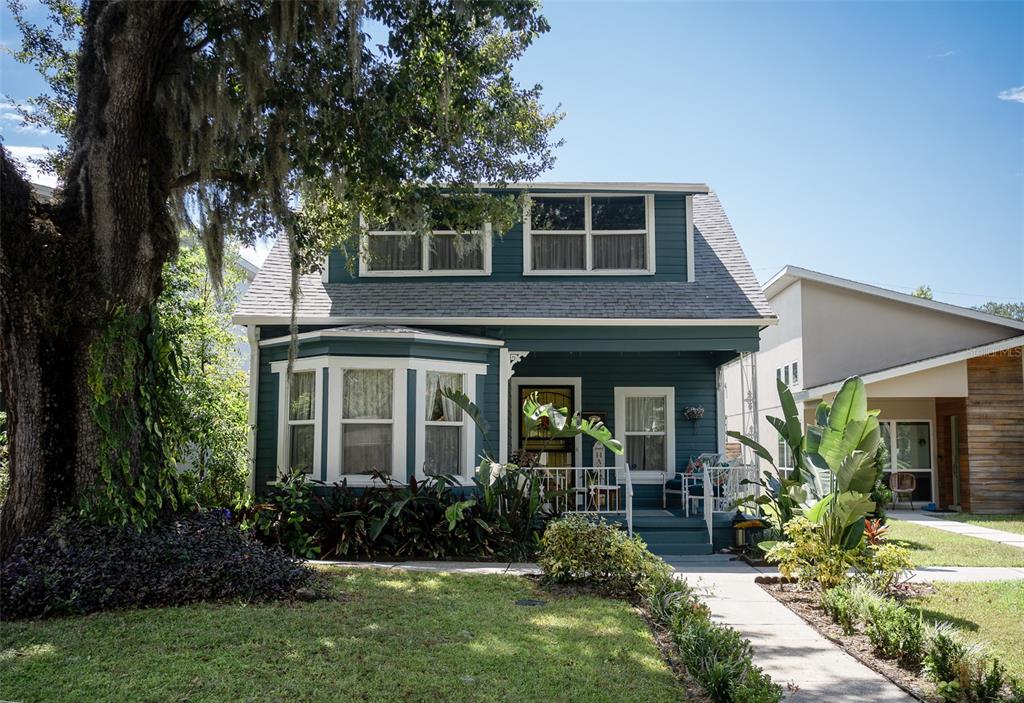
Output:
x=995 y=431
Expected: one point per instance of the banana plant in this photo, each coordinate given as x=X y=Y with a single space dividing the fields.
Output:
x=841 y=446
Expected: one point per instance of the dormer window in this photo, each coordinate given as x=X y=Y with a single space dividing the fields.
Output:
x=395 y=252
x=589 y=234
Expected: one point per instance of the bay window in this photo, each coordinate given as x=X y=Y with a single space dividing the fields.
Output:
x=589 y=234
x=646 y=417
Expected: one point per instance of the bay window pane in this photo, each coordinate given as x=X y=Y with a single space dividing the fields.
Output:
x=646 y=453
x=443 y=450
x=618 y=213
x=395 y=252
x=645 y=414
x=301 y=396
x=366 y=394
x=913 y=445
x=301 y=448
x=557 y=214
x=365 y=448
x=620 y=251
x=559 y=252
x=439 y=408
x=456 y=252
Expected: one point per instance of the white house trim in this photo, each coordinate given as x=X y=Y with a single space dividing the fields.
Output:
x=623 y=392
x=411 y=334
x=518 y=382
x=607 y=186
x=914 y=367
x=791 y=274
x=511 y=321
x=589 y=234
x=691 y=275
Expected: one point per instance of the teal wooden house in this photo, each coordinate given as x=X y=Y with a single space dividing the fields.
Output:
x=620 y=300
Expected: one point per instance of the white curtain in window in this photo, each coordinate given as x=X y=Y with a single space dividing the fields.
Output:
x=395 y=252
x=646 y=452
x=301 y=458
x=302 y=395
x=645 y=414
x=559 y=251
x=443 y=450
x=366 y=394
x=620 y=251
x=365 y=448
x=438 y=408
x=453 y=252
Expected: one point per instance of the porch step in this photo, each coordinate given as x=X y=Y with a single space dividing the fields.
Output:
x=685 y=550
x=658 y=538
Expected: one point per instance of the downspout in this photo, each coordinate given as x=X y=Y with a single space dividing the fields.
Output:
x=253 y=333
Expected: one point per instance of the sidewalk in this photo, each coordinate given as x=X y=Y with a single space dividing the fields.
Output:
x=785 y=646
x=960 y=528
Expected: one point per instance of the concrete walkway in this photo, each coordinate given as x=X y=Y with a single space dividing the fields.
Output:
x=960 y=528
x=790 y=650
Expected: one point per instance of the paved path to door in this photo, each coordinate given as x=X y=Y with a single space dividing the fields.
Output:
x=790 y=650
x=960 y=528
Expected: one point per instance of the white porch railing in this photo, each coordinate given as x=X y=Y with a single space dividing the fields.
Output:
x=601 y=490
x=723 y=486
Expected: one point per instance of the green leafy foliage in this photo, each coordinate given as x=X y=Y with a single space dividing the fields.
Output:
x=206 y=418
x=76 y=567
x=896 y=631
x=964 y=671
x=575 y=549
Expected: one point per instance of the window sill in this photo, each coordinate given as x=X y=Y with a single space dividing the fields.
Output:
x=421 y=274
x=602 y=272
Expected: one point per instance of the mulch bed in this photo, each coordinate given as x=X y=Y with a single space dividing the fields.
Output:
x=804 y=602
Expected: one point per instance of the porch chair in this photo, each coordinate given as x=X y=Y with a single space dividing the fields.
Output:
x=902 y=483
x=689 y=482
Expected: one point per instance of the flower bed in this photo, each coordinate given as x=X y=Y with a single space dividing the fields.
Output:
x=933 y=664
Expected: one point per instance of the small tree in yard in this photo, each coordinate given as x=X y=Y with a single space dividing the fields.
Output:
x=224 y=117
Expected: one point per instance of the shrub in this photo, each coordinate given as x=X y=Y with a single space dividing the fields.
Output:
x=896 y=632
x=577 y=550
x=884 y=565
x=78 y=567
x=962 y=670
x=849 y=604
x=808 y=557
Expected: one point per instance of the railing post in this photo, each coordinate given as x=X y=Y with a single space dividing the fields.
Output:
x=709 y=508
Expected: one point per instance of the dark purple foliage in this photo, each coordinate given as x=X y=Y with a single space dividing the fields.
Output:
x=77 y=567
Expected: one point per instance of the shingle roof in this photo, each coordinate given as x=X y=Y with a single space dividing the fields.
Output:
x=725 y=288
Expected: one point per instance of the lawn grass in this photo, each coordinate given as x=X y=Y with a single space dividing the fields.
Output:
x=991 y=612
x=388 y=636
x=1006 y=523
x=933 y=547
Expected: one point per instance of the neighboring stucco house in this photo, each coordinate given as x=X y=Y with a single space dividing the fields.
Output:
x=949 y=382
x=615 y=299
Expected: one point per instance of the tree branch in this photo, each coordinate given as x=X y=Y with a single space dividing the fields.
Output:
x=217 y=174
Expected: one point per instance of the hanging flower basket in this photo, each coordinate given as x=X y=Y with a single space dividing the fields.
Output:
x=694 y=413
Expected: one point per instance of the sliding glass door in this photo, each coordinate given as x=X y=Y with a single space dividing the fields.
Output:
x=909 y=445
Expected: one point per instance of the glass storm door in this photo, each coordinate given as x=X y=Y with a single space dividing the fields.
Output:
x=552 y=452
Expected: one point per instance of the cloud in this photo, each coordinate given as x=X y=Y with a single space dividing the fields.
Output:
x=22 y=154
x=1015 y=95
x=9 y=114
x=946 y=54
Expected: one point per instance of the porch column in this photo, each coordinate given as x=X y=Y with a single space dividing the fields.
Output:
x=507 y=361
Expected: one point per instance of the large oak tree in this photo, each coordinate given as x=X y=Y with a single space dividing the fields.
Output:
x=237 y=119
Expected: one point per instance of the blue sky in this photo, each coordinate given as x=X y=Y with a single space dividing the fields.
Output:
x=879 y=142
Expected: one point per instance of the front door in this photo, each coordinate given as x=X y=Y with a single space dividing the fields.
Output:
x=538 y=442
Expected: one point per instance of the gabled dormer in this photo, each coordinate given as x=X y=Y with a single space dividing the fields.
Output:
x=641 y=231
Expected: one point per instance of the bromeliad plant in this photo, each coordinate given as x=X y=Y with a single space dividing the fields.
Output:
x=835 y=462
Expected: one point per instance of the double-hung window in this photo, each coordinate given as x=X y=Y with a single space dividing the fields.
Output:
x=367 y=420
x=646 y=416
x=444 y=426
x=610 y=234
x=301 y=421
x=400 y=252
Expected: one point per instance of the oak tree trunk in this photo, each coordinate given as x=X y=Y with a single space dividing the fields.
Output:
x=65 y=266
